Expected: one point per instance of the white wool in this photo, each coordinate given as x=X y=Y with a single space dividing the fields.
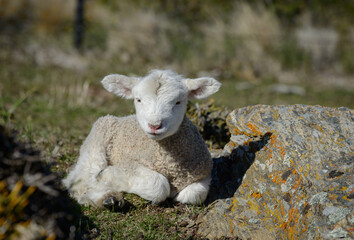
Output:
x=156 y=154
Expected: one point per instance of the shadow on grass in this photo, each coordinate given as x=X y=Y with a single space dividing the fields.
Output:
x=32 y=197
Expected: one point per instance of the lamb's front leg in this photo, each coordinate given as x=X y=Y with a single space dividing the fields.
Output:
x=195 y=193
x=132 y=177
x=147 y=183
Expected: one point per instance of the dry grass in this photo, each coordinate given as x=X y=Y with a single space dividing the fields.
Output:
x=76 y=94
x=140 y=33
x=12 y=9
x=320 y=42
x=243 y=41
x=52 y=15
x=43 y=15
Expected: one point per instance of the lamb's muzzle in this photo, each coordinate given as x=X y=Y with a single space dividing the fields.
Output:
x=155 y=127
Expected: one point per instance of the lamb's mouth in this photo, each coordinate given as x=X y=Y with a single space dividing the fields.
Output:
x=154 y=135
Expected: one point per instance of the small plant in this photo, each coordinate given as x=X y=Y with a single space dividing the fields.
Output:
x=211 y=122
x=6 y=114
x=12 y=205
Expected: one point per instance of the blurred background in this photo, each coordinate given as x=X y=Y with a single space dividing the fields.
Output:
x=264 y=52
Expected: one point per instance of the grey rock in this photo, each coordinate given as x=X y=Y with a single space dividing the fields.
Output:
x=335 y=214
x=291 y=178
x=337 y=233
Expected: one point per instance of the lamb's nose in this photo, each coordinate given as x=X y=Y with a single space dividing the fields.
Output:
x=155 y=127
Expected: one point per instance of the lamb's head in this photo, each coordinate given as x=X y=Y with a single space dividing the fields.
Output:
x=160 y=98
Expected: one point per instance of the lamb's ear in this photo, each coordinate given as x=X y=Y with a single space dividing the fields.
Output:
x=201 y=87
x=120 y=85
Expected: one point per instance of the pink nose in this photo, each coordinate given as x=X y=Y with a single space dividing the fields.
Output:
x=154 y=127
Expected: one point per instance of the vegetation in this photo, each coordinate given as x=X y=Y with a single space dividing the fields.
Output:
x=264 y=52
x=211 y=123
x=32 y=203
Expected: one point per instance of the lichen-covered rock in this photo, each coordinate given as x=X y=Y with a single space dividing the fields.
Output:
x=291 y=168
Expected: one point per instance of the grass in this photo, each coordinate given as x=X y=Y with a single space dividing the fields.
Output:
x=146 y=220
x=261 y=93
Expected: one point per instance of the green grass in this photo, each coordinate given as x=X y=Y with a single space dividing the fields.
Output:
x=168 y=221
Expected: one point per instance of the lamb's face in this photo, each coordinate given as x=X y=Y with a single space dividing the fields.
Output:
x=160 y=104
x=160 y=98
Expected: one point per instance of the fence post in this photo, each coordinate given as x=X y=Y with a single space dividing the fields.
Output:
x=79 y=24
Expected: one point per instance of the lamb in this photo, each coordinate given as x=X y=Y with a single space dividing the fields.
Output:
x=157 y=153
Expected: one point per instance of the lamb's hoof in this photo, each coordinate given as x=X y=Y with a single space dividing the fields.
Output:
x=113 y=202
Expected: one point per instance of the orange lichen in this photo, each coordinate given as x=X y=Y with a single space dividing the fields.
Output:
x=290 y=224
x=231 y=227
x=282 y=151
x=333 y=196
x=234 y=204
x=298 y=182
x=282 y=210
x=254 y=128
x=256 y=195
x=237 y=131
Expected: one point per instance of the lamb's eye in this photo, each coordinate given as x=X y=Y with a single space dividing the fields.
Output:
x=138 y=100
x=178 y=103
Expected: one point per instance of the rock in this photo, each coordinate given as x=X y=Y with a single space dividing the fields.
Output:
x=291 y=178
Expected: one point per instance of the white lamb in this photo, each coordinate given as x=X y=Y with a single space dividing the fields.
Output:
x=157 y=153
